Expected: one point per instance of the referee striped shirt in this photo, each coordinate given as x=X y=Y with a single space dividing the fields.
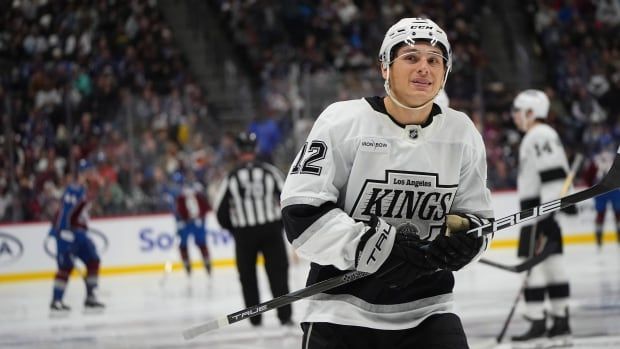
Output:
x=249 y=196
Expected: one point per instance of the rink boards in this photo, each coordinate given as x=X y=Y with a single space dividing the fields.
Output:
x=146 y=243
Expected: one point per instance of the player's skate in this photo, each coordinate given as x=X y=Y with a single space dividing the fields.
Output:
x=93 y=305
x=208 y=267
x=599 y=241
x=560 y=333
x=535 y=337
x=59 y=309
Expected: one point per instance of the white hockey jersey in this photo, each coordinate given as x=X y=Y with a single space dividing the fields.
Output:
x=543 y=167
x=358 y=161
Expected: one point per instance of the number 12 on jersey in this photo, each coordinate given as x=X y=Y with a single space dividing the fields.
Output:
x=309 y=155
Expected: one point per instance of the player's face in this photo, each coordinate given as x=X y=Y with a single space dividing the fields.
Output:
x=519 y=118
x=89 y=177
x=417 y=72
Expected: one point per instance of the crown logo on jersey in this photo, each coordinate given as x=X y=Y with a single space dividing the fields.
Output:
x=408 y=228
x=406 y=197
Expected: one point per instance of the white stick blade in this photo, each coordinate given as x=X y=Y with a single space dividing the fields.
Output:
x=204 y=328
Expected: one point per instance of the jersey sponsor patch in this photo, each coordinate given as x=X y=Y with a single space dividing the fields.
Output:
x=375 y=145
x=403 y=196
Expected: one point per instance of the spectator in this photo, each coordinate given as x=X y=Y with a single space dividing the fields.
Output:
x=268 y=136
x=93 y=79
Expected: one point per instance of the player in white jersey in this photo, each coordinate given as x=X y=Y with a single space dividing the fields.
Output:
x=371 y=190
x=543 y=168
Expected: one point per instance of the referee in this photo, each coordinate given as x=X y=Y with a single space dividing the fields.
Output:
x=248 y=205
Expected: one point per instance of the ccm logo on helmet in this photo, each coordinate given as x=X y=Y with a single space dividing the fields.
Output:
x=421 y=27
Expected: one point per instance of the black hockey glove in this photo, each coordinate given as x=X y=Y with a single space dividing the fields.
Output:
x=452 y=249
x=404 y=263
x=570 y=210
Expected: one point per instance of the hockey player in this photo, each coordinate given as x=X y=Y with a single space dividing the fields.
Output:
x=70 y=231
x=191 y=208
x=372 y=189
x=598 y=168
x=248 y=206
x=543 y=168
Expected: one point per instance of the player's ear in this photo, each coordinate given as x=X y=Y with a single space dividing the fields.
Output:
x=384 y=71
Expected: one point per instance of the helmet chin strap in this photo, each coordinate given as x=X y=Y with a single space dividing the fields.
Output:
x=397 y=102
x=388 y=91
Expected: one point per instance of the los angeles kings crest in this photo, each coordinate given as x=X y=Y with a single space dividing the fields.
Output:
x=406 y=197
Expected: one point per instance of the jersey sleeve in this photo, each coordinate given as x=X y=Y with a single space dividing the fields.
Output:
x=79 y=216
x=203 y=204
x=473 y=198
x=181 y=209
x=316 y=226
x=528 y=181
x=222 y=206
x=278 y=179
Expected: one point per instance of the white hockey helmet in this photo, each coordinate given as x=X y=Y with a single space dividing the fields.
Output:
x=409 y=30
x=534 y=100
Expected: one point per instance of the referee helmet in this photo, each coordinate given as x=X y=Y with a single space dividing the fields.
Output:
x=246 y=142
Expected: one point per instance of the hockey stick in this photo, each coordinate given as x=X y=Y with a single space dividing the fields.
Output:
x=610 y=182
x=572 y=173
x=530 y=263
x=523 y=286
x=527 y=264
x=493 y=342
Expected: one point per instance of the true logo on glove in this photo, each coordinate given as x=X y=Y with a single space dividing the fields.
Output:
x=384 y=235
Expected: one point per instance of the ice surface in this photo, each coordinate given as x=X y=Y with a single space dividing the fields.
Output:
x=144 y=312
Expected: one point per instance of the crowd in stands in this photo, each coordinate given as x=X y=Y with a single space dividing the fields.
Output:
x=326 y=38
x=103 y=80
x=96 y=80
x=580 y=42
x=577 y=39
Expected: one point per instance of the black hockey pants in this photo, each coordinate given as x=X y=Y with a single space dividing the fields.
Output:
x=439 y=331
